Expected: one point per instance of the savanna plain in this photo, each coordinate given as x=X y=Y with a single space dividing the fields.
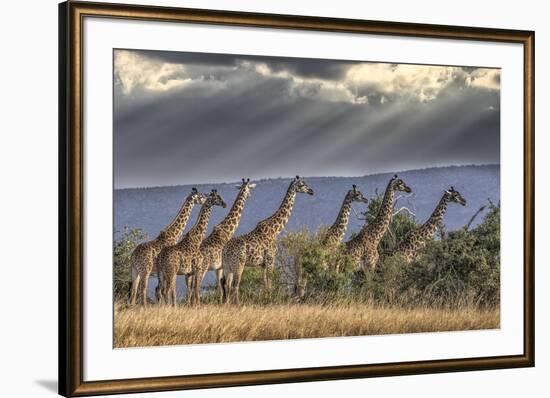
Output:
x=454 y=285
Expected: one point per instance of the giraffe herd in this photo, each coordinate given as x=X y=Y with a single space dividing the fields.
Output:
x=193 y=255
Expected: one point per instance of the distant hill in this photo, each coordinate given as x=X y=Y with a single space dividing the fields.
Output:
x=152 y=208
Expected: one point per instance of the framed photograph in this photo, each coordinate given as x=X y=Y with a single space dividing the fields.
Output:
x=253 y=199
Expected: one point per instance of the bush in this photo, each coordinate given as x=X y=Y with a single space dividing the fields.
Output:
x=463 y=268
x=307 y=264
x=384 y=285
x=252 y=290
x=122 y=273
x=455 y=269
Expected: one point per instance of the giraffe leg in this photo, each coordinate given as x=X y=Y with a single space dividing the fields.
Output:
x=236 y=284
x=219 y=289
x=369 y=260
x=158 y=288
x=174 y=290
x=199 y=277
x=163 y=287
x=144 y=285
x=268 y=273
x=167 y=291
x=188 y=287
x=158 y=295
x=224 y=290
x=269 y=264
x=135 y=286
x=228 y=288
x=195 y=286
x=192 y=292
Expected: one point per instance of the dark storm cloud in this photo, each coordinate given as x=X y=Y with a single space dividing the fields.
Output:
x=273 y=123
x=305 y=67
x=317 y=68
x=190 y=57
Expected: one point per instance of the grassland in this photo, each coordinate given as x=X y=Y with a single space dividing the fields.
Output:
x=159 y=325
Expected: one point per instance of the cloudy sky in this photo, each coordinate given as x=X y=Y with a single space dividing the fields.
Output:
x=201 y=118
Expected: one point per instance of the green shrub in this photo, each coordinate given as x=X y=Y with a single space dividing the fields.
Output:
x=252 y=289
x=306 y=263
x=122 y=250
x=383 y=285
x=462 y=268
x=455 y=269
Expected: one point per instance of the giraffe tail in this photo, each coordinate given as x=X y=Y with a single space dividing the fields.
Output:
x=223 y=282
x=160 y=289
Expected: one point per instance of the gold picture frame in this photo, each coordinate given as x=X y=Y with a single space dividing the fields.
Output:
x=71 y=239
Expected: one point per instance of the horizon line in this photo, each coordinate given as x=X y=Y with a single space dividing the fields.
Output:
x=309 y=177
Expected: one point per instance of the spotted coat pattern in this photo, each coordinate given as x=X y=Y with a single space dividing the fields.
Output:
x=178 y=259
x=258 y=247
x=143 y=257
x=363 y=248
x=211 y=248
x=334 y=235
x=416 y=239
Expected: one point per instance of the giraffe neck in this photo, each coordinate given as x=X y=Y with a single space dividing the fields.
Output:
x=337 y=230
x=429 y=227
x=272 y=226
x=375 y=230
x=226 y=228
x=172 y=232
x=197 y=232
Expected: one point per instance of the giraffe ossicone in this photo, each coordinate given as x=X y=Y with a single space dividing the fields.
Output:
x=210 y=253
x=143 y=257
x=363 y=248
x=416 y=239
x=178 y=259
x=258 y=247
x=335 y=233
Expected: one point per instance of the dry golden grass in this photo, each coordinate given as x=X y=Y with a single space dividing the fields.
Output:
x=139 y=327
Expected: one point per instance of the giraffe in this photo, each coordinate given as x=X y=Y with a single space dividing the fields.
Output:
x=143 y=257
x=336 y=232
x=211 y=248
x=258 y=247
x=416 y=239
x=177 y=259
x=363 y=248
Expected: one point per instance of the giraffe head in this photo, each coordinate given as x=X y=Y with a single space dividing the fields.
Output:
x=214 y=199
x=356 y=195
x=195 y=197
x=455 y=196
x=246 y=187
x=399 y=185
x=300 y=186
